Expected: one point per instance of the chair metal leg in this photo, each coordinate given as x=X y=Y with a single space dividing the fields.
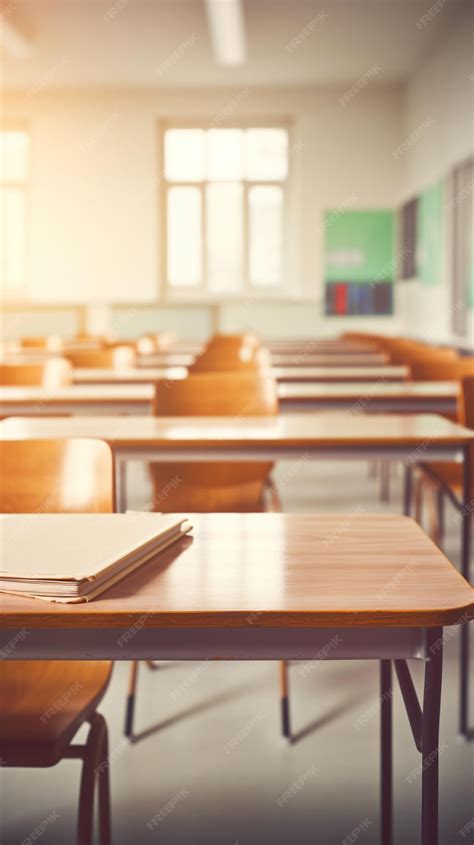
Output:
x=385 y=469
x=130 y=705
x=440 y=513
x=466 y=516
x=386 y=765
x=90 y=757
x=104 y=791
x=430 y=732
x=407 y=490
x=284 y=700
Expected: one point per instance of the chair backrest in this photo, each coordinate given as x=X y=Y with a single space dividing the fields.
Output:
x=442 y=369
x=52 y=343
x=213 y=486
x=49 y=373
x=55 y=476
x=225 y=353
x=116 y=358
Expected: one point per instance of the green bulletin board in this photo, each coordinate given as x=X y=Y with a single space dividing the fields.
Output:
x=430 y=230
x=359 y=246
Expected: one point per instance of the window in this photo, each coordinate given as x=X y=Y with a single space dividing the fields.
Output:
x=14 y=154
x=224 y=209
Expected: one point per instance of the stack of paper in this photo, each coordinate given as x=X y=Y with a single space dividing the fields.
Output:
x=75 y=557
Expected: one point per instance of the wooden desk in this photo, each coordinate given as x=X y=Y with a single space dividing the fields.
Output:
x=77 y=399
x=92 y=375
x=339 y=374
x=335 y=358
x=148 y=375
x=330 y=359
x=269 y=586
x=413 y=397
x=408 y=439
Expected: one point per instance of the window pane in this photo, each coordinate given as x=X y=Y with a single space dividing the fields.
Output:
x=184 y=155
x=265 y=234
x=184 y=216
x=267 y=154
x=13 y=156
x=12 y=255
x=224 y=153
x=224 y=236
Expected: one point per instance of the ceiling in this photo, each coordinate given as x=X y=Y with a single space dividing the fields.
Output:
x=83 y=43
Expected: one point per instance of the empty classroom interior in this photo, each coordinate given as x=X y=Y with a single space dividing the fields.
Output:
x=237 y=325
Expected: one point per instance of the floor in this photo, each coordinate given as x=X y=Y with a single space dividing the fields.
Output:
x=213 y=764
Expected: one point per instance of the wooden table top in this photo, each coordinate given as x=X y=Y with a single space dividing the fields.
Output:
x=276 y=570
x=82 y=394
x=147 y=375
x=329 y=359
x=336 y=358
x=307 y=391
x=363 y=373
x=137 y=375
x=139 y=393
x=312 y=430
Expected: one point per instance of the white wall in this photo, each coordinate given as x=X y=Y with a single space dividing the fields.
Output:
x=94 y=227
x=442 y=92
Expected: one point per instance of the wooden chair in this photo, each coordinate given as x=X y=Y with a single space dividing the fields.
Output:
x=225 y=353
x=214 y=486
x=115 y=357
x=49 y=373
x=51 y=343
x=436 y=480
x=44 y=703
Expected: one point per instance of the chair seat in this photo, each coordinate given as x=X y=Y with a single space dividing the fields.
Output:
x=43 y=705
x=448 y=473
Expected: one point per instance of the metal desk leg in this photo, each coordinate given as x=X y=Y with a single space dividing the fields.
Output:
x=121 y=486
x=466 y=517
x=386 y=795
x=407 y=490
x=430 y=734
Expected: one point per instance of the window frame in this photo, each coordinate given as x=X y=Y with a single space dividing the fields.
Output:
x=7 y=293
x=201 y=292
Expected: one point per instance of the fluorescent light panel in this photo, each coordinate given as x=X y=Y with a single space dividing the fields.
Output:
x=226 y=24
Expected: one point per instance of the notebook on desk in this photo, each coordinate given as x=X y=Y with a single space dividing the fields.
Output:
x=73 y=558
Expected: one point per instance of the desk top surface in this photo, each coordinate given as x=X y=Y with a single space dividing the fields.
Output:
x=319 y=429
x=147 y=375
x=276 y=570
x=279 y=359
x=85 y=393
